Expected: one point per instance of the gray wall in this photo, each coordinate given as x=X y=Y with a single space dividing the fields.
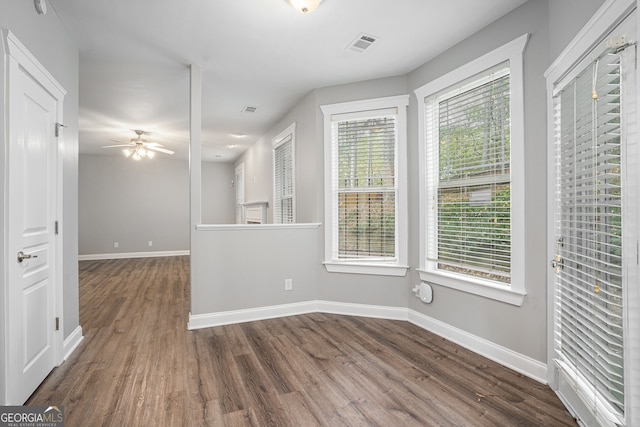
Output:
x=48 y=41
x=566 y=19
x=552 y=24
x=258 y=174
x=218 y=193
x=516 y=328
x=132 y=202
x=258 y=163
x=237 y=269
x=355 y=288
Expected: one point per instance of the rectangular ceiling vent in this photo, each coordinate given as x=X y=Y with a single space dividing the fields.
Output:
x=249 y=109
x=362 y=42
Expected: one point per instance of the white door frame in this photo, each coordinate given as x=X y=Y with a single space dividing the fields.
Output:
x=14 y=52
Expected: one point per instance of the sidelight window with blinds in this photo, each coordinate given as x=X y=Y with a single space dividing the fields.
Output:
x=365 y=145
x=284 y=177
x=589 y=336
x=472 y=182
x=595 y=250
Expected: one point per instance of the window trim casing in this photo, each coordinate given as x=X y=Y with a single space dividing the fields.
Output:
x=384 y=268
x=276 y=142
x=513 y=53
x=239 y=169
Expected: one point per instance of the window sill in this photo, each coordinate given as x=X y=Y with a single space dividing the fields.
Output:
x=482 y=288
x=361 y=268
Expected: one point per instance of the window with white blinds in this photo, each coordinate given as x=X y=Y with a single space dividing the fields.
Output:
x=364 y=200
x=365 y=151
x=239 y=187
x=284 y=178
x=472 y=182
x=468 y=152
x=589 y=294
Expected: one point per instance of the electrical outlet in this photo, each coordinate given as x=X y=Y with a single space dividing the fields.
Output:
x=288 y=284
x=116 y=244
x=150 y=243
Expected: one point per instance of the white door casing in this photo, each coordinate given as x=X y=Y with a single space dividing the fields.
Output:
x=33 y=337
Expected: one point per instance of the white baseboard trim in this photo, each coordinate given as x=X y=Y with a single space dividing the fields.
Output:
x=72 y=342
x=502 y=355
x=518 y=362
x=199 y=321
x=123 y=255
x=363 y=310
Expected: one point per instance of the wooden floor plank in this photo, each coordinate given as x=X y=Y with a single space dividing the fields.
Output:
x=138 y=365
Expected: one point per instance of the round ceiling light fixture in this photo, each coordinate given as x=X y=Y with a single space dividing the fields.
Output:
x=305 y=6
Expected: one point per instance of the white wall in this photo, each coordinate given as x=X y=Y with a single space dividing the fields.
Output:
x=48 y=41
x=132 y=202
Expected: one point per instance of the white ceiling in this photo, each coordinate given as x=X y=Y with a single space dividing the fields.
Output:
x=134 y=56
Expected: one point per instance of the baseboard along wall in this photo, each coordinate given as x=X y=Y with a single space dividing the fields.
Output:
x=123 y=255
x=525 y=365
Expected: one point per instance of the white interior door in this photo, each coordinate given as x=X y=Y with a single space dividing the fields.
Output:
x=32 y=340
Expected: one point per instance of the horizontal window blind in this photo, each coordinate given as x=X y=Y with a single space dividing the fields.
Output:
x=283 y=182
x=468 y=154
x=364 y=150
x=589 y=281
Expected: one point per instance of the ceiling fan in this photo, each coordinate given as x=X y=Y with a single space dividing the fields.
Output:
x=139 y=148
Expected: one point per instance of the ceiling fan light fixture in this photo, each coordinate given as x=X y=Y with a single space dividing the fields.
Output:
x=139 y=148
x=305 y=6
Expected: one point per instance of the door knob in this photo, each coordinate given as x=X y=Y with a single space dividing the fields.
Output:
x=23 y=256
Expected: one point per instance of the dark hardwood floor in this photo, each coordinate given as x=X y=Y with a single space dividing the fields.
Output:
x=139 y=366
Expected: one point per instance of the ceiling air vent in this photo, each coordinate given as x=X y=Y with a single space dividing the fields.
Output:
x=362 y=42
x=249 y=109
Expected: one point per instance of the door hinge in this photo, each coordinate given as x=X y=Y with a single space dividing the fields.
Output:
x=57 y=323
x=58 y=126
x=56 y=228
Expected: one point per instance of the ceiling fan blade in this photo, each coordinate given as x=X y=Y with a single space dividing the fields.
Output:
x=152 y=144
x=118 y=145
x=162 y=150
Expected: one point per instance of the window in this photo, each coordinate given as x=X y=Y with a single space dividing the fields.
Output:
x=284 y=177
x=240 y=194
x=472 y=188
x=365 y=186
